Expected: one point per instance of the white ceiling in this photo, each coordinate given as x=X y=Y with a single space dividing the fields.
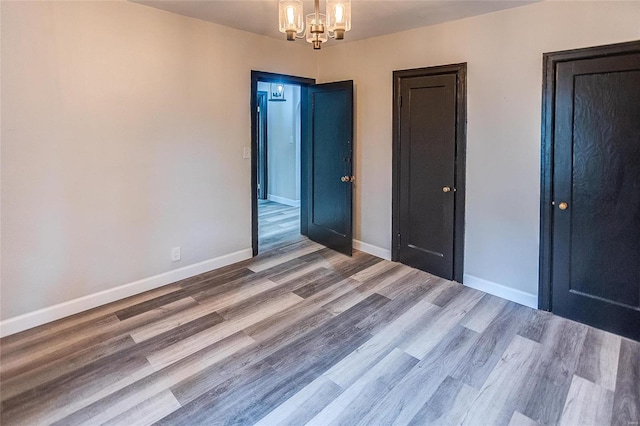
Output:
x=369 y=18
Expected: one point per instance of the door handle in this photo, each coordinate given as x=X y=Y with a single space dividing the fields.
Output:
x=345 y=178
x=563 y=205
x=447 y=189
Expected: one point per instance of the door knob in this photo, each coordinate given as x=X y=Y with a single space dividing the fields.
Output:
x=446 y=189
x=563 y=206
x=345 y=178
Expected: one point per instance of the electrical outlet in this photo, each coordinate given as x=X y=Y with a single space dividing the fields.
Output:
x=175 y=254
x=246 y=152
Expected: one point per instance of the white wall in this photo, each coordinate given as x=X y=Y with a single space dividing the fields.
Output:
x=503 y=51
x=123 y=126
x=122 y=136
x=283 y=145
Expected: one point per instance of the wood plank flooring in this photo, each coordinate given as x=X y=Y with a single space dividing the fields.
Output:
x=278 y=225
x=304 y=335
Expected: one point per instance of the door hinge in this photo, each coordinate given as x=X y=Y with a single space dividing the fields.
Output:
x=399 y=241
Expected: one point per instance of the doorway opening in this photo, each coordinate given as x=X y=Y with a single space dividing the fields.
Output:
x=278 y=193
x=326 y=180
x=279 y=143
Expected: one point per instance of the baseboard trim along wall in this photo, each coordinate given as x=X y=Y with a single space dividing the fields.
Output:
x=72 y=307
x=518 y=296
x=282 y=200
x=371 y=249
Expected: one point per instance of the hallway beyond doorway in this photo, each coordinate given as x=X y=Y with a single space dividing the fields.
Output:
x=278 y=224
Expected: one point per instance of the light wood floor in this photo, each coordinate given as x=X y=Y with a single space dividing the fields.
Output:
x=278 y=225
x=301 y=334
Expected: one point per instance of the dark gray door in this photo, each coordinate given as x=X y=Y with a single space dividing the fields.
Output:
x=596 y=193
x=426 y=184
x=330 y=168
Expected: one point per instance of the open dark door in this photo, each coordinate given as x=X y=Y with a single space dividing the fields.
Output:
x=330 y=165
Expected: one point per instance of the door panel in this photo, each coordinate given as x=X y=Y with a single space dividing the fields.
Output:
x=427 y=170
x=596 y=172
x=330 y=200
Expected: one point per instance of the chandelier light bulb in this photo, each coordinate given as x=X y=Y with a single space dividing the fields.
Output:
x=339 y=13
x=338 y=17
x=290 y=16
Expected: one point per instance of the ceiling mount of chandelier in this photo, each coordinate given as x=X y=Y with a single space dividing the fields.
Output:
x=319 y=26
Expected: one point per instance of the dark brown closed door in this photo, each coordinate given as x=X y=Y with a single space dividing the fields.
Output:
x=427 y=173
x=596 y=193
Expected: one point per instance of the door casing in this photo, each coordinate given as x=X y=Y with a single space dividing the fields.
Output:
x=263 y=175
x=460 y=70
x=303 y=82
x=550 y=62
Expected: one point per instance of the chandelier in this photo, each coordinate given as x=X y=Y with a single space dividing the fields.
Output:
x=319 y=26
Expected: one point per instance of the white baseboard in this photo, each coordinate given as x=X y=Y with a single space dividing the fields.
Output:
x=371 y=249
x=282 y=200
x=518 y=296
x=72 y=307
